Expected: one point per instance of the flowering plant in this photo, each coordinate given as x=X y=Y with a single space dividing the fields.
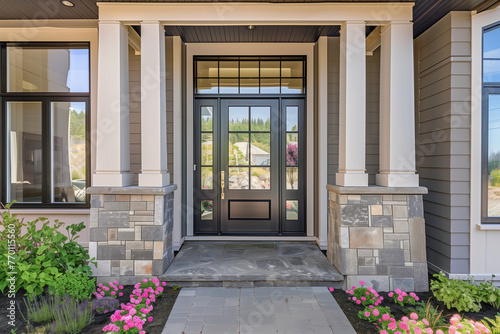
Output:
x=133 y=315
x=402 y=298
x=364 y=296
x=462 y=326
x=377 y=314
x=110 y=289
x=105 y=305
x=409 y=325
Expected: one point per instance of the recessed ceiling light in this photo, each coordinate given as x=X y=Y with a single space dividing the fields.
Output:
x=67 y=3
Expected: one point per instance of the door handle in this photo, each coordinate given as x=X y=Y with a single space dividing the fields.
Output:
x=222 y=184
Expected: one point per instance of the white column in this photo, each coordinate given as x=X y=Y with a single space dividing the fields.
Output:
x=397 y=107
x=352 y=104
x=112 y=143
x=153 y=107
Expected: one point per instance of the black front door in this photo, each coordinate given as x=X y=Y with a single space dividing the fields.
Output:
x=248 y=168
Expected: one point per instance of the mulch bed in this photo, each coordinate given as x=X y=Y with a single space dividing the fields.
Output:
x=360 y=326
x=161 y=310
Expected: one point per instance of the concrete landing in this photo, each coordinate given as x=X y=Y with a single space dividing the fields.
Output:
x=265 y=310
x=244 y=264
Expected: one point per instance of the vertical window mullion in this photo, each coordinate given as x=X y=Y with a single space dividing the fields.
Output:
x=46 y=151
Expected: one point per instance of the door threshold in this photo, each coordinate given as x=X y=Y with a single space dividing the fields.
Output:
x=248 y=238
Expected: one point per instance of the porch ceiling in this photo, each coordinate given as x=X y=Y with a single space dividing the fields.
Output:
x=426 y=13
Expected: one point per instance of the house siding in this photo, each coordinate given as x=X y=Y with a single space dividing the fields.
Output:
x=372 y=111
x=135 y=109
x=442 y=56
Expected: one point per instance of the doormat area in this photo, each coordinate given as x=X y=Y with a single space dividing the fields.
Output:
x=250 y=246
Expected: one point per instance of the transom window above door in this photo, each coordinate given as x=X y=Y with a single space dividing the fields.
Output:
x=249 y=75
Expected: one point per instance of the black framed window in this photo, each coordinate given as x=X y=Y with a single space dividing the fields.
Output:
x=250 y=75
x=491 y=125
x=44 y=108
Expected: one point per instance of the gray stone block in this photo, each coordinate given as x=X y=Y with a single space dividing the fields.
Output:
x=421 y=276
x=109 y=198
x=399 y=271
x=158 y=267
x=96 y=201
x=382 y=221
x=103 y=268
x=382 y=269
x=117 y=206
x=114 y=219
x=98 y=234
x=415 y=206
x=367 y=270
x=354 y=215
x=349 y=262
x=140 y=254
x=379 y=283
x=405 y=284
x=371 y=199
x=111 y=252
x=392 y=256
x=394 y=244
x=417 y=240
x=154 y=233
x=126 y=234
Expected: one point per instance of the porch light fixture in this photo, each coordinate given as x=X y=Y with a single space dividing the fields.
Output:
x=250 y=27
x=67 y=3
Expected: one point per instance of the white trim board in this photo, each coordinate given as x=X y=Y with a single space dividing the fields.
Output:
x=253 y=49
x=241 y=13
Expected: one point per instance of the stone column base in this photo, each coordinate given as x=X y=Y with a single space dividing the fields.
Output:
x=377 y=234
x=131 y=232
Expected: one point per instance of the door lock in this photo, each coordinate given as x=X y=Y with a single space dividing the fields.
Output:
x=222 y=184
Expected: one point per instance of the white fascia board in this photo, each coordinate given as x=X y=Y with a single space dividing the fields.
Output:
x=241 y=13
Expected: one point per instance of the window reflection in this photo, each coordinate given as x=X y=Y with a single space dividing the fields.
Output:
x=68 y=152
x=494 y=155
x=25 y=151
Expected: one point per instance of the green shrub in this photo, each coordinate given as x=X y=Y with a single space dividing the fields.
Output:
x=489 y=294
x=495 y=178
x=40 y=255
x=456 y=293
x=77 y=286
x=40 y=309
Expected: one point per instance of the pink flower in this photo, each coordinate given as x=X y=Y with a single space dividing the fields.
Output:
x=460 y=326
x=362 y=283
x=439 y=331
x=370 y=306
x=425 y=322
x=376 y=312
x=391 y=294
x=120 y=294
x=414 y=316
x=150 y=319
x=330 y=288
x=120 y=287
x=164 y=283
x=417 y=330
x=398 y=291
x=452 y=329
x=358 y=301
x=392 y=326
x=385 y=317
x=405 y=319
x=363 y=298
x=126 y=328
x=429 y=330
x=113 y=293
x=400 y=298
x=383 y=331
x=142 y=332
x=367 y=314
x=412 y=294
x=115 y=282
x=404 y=325
x=145 y=280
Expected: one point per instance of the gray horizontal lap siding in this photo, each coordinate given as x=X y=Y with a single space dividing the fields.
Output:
x=443 y=139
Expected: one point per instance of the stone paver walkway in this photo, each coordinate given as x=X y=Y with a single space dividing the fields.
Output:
x=263 y=310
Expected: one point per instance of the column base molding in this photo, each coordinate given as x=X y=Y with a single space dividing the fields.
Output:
x=397 y=179
x=154 y=179
x=351 y=179
x=112 y=179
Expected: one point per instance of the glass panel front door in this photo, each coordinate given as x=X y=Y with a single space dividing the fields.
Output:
x=248 y=175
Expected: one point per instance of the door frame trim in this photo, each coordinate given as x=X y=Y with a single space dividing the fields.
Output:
x=252 y=49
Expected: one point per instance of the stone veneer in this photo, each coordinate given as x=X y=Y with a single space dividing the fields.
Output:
x=131 y=232
x=377 y=234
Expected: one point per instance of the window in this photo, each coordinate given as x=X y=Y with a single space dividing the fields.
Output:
x=491 y=125
x=250 y=75
x=44 y=124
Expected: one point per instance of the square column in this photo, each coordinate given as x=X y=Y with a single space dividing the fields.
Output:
x=397 y=107
x=153 y=107
x=113 y=143
x=352 y=117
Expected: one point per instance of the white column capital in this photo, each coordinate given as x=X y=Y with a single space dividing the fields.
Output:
x=153 y=107
x=352 y=105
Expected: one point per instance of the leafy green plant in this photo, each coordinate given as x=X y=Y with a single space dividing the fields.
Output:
x=374 y=313
x=490 y=294
x=456 y=293
x=403 y=298
x=40 y=255
x=72 y=316
x=40 y=309
x=77 y=286
x=492 y=324
x=175 y=287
